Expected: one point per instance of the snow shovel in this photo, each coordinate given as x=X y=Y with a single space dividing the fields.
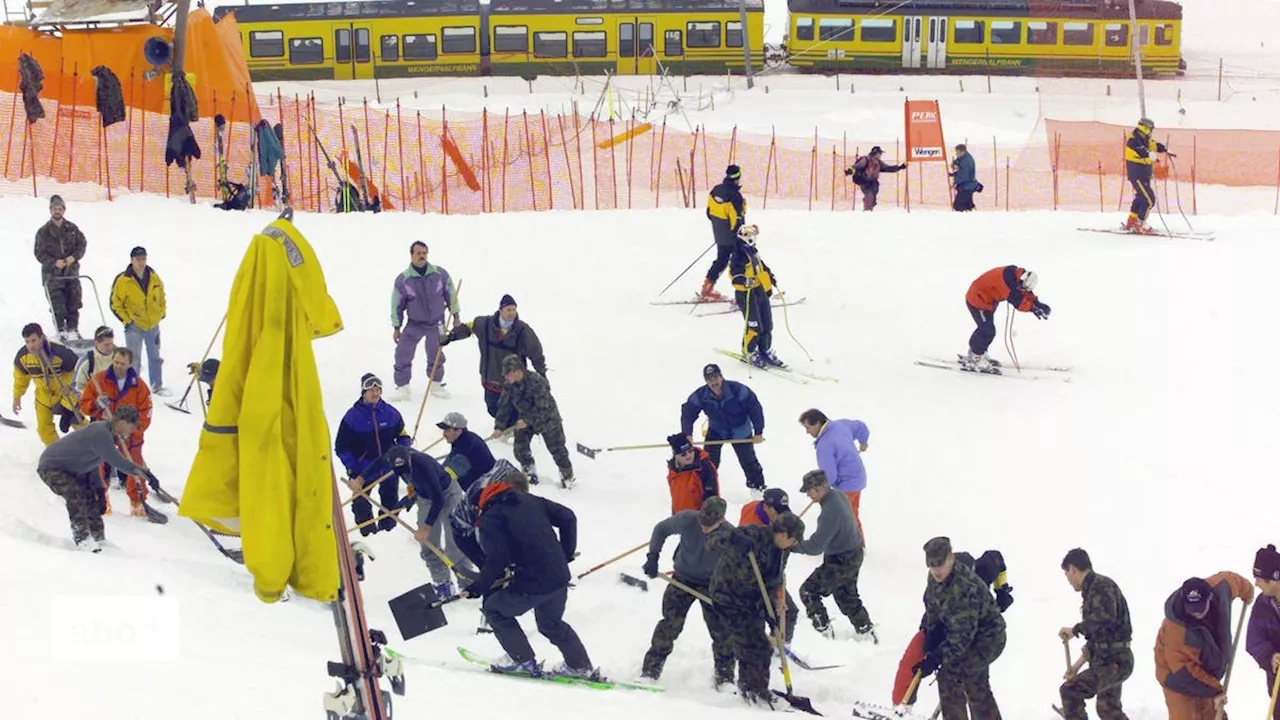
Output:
x=797 y=702
x=592 y=452
x=418 y=612
x=9 y=422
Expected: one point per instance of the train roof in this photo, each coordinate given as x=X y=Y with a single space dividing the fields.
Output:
x=1100 y=9
x=604 y=7
x=267 y=12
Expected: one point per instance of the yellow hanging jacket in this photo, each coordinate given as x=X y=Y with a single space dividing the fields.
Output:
x=263 y=468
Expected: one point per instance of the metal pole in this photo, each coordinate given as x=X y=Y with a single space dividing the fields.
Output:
x=180 y=36
x=746 y=44
x=1135 y=36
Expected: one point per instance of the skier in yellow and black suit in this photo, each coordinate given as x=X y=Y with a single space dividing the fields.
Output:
x=753 y=285
x=727 y=211
x=51 y=367
x=1137 y=163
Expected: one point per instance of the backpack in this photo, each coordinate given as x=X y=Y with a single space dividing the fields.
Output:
x=860 y=171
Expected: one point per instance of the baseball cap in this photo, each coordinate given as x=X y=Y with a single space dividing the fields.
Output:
x=1195 y=594
x=453 y=421
x=138 y=251
x=812 y=480
x=936 y=551
x=777 y=499
x=711 y=370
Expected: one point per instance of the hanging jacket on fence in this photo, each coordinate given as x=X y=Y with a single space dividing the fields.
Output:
x=32 y=82
x=183 y=110
x=110 y=97
x=270 y=152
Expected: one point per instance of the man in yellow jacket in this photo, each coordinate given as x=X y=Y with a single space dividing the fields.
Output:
x=137 y=299
x=51 y=367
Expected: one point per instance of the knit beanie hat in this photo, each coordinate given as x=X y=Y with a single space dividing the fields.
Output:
x=1266 y=564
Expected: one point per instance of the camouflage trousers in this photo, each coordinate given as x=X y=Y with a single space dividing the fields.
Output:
x=553 y=438
x=749 y=644
x=675 y=607
x=838 y=576
x=965 y=687
x=1104 y=679
x=65 y=300
x=85 y=498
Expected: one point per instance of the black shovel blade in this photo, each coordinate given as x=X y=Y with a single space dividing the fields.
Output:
x=12 y=423
x=417 y=612
x=589 y=452
x=634 y=581
x=797 y=702
x=179 y=408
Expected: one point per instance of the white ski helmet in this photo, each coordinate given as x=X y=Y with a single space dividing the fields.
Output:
x=748 y=233
x=1029 y=280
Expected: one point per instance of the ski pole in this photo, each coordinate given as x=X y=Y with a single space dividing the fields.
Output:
x=1177 y=191
x=786 y=320
x=682 y=272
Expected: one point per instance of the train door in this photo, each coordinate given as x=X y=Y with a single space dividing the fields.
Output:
x=636 y=53
x=352 y=53
x=911 y=41
x=936 y=52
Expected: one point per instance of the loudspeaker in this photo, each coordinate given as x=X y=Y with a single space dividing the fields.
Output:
x=157 y=51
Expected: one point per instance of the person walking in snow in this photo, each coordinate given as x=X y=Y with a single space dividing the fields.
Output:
x=69 y=467
x=964 y=177
x=1010 y=284
x=733 y=413
x=865 y=172
x=423 y=293
x=369 y=429
x=500 y=335
x=60 y=246
x=839 y=445
x=138 y=300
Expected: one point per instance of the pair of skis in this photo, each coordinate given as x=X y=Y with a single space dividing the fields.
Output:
x=788 y=373
x=1206 y=235
x=1023 y=372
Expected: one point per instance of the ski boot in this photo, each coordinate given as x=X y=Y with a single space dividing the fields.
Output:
x=530 y=471
x=440 y=390
x=1136 y=226
x=88 y=545
x=866 y=631
x=506 y=665
x=758 y=360
x=974 y=362
x=772 y=359
x=708 y=292
x=567 y=480
x=563 y=670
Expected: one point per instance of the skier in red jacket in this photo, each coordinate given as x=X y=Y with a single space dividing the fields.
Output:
x=1010 y=284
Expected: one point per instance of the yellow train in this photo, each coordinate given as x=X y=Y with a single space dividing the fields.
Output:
x=527 y=38
x=406 y=38
x=1065 y=37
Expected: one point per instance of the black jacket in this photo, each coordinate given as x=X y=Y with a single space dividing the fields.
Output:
x=468 y=459
x=518 y=530
x=496 y=344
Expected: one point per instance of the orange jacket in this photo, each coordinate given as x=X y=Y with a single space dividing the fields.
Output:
x=1000 y=285
x=132 y=392
x=693 y=485
x=1192 y=655
x=752 y=515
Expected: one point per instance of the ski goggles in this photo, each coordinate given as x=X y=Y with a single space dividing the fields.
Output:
x=371 y=383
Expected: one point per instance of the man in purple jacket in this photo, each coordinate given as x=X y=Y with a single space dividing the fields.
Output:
x=423 y=292
x=839 y=444
x=1263 y=638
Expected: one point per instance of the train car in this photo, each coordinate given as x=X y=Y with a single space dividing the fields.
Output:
x=1033 y=37
x=360 y=40
x=625 y=37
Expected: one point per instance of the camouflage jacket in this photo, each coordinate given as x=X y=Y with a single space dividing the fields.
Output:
x=1105 y=616
x=531 y=399
x=962 y=605
x=734 y=582
x=54 y=243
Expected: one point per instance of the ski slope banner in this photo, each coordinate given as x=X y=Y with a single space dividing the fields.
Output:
x=923 y=129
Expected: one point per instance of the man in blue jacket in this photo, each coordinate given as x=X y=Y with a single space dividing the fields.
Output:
x=518 y=531
x=733 y=413
x=369 y=429
x=436 y=494
x=964 y=176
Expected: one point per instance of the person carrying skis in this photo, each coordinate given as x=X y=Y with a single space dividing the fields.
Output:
x=369 y=429
x=735 y=590
x=116 y=387
x=691 y=476
x=695 y=561
x=727 y=211
x=1010 y=284
x=1138 y=165
x=865 y=172
x=69 y=467
x=733 y=413
x=1107 y=630
x=753 y=285
x=518 y=531
x=839 y=543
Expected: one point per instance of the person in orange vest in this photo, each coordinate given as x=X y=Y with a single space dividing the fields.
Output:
x=762 y=512
x=691 y=475
x=119 y=386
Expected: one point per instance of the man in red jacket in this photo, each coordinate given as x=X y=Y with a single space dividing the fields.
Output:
x=1193 y=647
x=1010 y=284
x=691 y=476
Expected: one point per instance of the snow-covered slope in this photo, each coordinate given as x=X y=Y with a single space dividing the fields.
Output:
x=1154 y=457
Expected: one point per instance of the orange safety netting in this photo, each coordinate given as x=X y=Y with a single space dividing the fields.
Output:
x=446 y=162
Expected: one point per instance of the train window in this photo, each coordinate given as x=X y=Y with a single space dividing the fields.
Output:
x=342 y=45
x=1117 y=34
x=266 y=44
x=838 y=29
x=511 y=38
x=419 y=47
x=594 y=44
x=627 y=40
x=877 y=30
x=673 y=43
x=551 y=44
x=362 y=45
x=646 y=40
x=459 y=40
x=588 y=21
x=1042 y=33
x=703 y=34
x=1006 y=32
x=390 y=48
x=1164 y=34
x=306 y=51
x=804 y=28
x=733 y=34
x=969 y=32
x=1077 y=33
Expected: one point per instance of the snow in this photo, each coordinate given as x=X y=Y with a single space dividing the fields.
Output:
x=1153 y=457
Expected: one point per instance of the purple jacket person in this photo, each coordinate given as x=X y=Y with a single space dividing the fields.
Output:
x=839 y=445
x=1262 y=640
x=423 y=292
